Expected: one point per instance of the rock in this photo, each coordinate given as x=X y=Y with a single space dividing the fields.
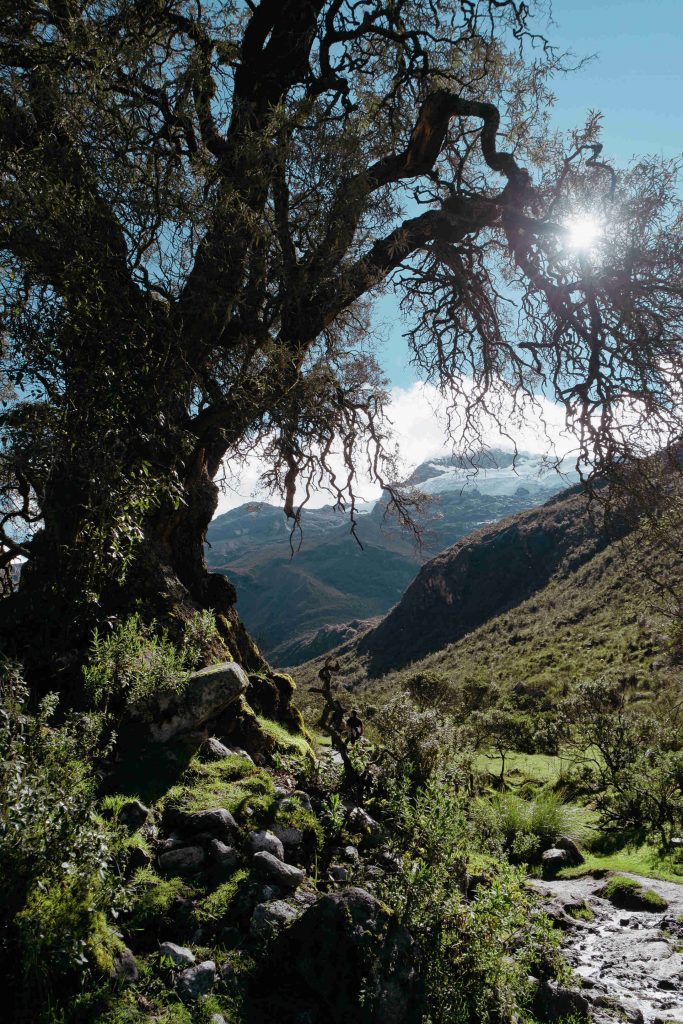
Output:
x=180 y=955
x=196 y=981
x=266 y=841
x=125 y=968
x=270 y=918
x=218 y=1018
x=571 y=849
x=374 y=872
x=361 y=821
x=303 y=798
x=291 y=838
x=338 y=873
x=241 y=753
x=133 y=815
x=226 y=858
x=553 y=860
x=333 y=952
x=214 y=750
x=137 y=858
x=277 y=871
x=554 y=1002
x=184 y=860
x=206 y=695
x=216 y=822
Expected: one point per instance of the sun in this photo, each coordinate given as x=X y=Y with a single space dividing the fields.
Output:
x=582 y=233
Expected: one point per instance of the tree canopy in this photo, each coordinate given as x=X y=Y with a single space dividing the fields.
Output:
x=200 y=203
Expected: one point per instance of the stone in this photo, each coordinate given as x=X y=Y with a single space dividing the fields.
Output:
x=216 y=822
x=206 y=695
x=184 y=860
x=277 y=871
x=553 y=860
x=226 y=858
x=270 y=918
x=196 y=981
x=555 y=1002
x=338 y=873
x=361 y=821
x=218 y=1018
x=575 y=857
x=291 y=838
x=333 y=952
x=125 y=967
x=214 y=750
x=180 y=955
x=133 y=814
x=266 y=841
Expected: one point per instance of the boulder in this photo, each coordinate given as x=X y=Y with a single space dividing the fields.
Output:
x=215 y=822
x=270 y=918
x=553 y=860
x=274 y=870
x=196 y=981
x=133 y=815
x=125 y=967
x=266 y=841
x=575 y=857
x=338 y=953
x=225 y=858
x=206 y=695
x=180 y=955
x=555 y=1002
x=214 y=750
x=184 y=860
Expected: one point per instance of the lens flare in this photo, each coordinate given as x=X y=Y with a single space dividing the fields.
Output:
x=582 y=233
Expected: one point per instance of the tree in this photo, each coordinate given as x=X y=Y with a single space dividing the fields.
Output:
x=199 y=205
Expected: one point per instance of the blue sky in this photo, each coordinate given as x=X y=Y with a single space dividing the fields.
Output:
x=635 y=80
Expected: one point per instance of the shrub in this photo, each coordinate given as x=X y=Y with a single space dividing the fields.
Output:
x=135 y=665
x=473 y=951
x=55 y=877
x=521 y=829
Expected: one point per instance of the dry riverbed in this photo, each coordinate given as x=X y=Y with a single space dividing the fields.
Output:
x=630 y=962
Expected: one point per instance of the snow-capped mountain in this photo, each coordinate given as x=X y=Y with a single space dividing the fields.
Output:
x=290 y=603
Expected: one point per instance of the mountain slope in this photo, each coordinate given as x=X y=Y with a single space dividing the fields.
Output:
x=292 y=605
x=542 y=597
x=607 y=619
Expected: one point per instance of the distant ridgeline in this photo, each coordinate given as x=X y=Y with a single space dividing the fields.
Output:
x=301 y=607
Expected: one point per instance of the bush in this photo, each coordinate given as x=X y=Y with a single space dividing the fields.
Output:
x=474 y=950
x=55 y=877
x=135 y=665
x=521 y=829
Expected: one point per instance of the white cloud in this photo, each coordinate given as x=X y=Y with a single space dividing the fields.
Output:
x=418 y=415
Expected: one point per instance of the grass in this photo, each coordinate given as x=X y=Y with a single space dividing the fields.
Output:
x=639 y=860
x=539 y=769
x=287 y=742
x=629 y=894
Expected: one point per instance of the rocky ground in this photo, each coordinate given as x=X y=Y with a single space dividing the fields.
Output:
x=630 y=962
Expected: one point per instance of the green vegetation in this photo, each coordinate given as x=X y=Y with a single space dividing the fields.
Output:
x=286 y=741
x=137 y=665
x=629 y=894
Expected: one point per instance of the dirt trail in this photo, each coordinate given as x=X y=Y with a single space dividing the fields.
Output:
x=630 y=963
